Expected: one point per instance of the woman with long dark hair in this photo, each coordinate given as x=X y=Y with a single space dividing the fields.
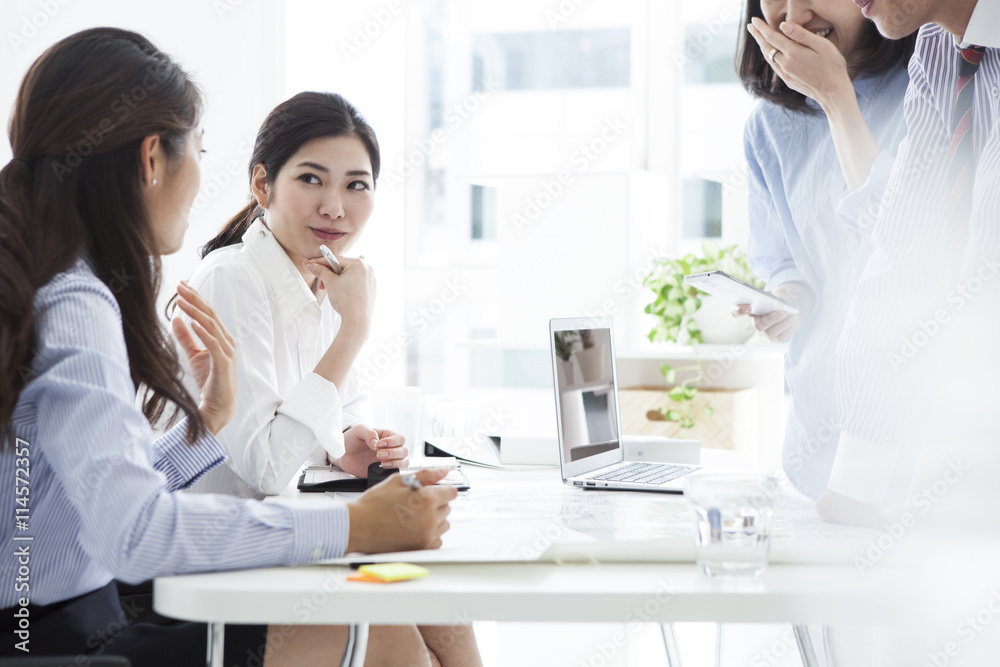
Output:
x=820 y=147
x=300 y=324
x=312 y=177
x=106 y=138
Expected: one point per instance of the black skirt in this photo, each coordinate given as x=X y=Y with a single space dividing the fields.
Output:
x=103 y=623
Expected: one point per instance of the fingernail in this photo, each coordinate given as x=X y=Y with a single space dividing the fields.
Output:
x=749 y=27
x=313 y=269
x=382 y=455
x=785 y=26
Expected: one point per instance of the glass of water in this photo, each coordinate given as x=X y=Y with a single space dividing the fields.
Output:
x=450 y=415
x=732 y=514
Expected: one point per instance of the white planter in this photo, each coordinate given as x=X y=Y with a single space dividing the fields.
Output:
x=717 y=323
x=569 y=373
x=594 y=363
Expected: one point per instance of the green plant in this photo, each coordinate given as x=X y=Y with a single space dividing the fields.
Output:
x=565 y=340
x=682 y=396
x=675 y=303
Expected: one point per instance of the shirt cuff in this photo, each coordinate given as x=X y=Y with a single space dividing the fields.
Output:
x=351 y=420
x=862 y=469
x=859 y=209
x=791 y=275
x=315 y=403
x=321 y=531
x=184 y=464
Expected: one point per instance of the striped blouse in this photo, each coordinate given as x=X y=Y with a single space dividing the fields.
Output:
x=910 y=336
x=100 y=501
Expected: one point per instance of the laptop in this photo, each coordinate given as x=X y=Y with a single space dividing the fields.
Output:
x=591 y=451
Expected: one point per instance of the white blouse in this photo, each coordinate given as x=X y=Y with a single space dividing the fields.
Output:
x=286 y=415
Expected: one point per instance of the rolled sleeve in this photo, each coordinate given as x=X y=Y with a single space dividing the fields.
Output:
x=315 y=403
x=181 y=463
x=789 y=275
x=859 y=209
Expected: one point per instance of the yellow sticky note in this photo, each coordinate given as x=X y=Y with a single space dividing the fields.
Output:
x=388 y=572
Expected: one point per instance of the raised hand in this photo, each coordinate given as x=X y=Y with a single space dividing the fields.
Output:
x=213 y=366
x=806 y=62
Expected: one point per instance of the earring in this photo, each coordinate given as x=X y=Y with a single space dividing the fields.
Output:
x=154 y=182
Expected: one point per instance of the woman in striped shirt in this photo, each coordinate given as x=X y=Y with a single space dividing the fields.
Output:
x=105 y=133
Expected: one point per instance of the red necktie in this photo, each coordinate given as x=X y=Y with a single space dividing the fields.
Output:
x=960 y=157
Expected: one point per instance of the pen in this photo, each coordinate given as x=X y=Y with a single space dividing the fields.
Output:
x=412 y=482
x=331 y=260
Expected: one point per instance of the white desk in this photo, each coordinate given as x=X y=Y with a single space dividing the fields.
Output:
x=537 y=592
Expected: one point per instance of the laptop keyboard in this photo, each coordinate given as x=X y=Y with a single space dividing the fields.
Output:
x=643 y=473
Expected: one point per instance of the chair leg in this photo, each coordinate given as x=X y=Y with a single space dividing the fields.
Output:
x=216 y=639
x=718 y=644
x=670 y=644
x=806 y=650
x=356 y=647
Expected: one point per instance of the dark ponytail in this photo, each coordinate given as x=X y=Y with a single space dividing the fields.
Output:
x=286 y=129
x=232 y=233
x=81 y=114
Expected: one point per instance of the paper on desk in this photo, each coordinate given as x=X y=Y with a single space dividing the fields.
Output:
x=551 y=522
x=492 y=525
x=798 y=534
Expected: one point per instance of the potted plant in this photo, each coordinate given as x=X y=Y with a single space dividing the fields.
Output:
x=592 y=359
x=676 y=304
x=569 y=369
x=676 y=307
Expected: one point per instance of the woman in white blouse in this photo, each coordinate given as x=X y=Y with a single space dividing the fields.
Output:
x=312 y=176
x=299 y=326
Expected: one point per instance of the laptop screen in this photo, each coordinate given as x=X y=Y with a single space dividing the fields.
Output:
x=585 y=392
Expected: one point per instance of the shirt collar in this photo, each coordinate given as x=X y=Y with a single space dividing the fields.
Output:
x=290 y=290
x=982 y=29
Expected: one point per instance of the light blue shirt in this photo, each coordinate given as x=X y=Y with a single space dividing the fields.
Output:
x=806 y=227
x=101 y=501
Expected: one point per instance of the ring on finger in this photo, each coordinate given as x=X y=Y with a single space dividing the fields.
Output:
x=772 y=54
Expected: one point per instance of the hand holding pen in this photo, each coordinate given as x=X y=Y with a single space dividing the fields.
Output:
x=403 y=512
x=335 y=265
x=351 y=289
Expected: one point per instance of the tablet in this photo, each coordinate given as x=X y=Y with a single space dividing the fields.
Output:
x=330 y=478
x=736 y=292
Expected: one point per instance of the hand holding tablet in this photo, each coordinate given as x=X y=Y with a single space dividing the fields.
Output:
x=737 y=292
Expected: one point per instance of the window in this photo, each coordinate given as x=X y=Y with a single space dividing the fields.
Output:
x=561 y=153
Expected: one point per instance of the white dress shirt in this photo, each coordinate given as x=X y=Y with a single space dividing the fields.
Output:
x=286 y=415
x=806 y=227
x=910 y=317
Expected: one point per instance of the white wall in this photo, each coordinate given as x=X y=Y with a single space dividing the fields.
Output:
x=233 y=53
x=248 y=55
